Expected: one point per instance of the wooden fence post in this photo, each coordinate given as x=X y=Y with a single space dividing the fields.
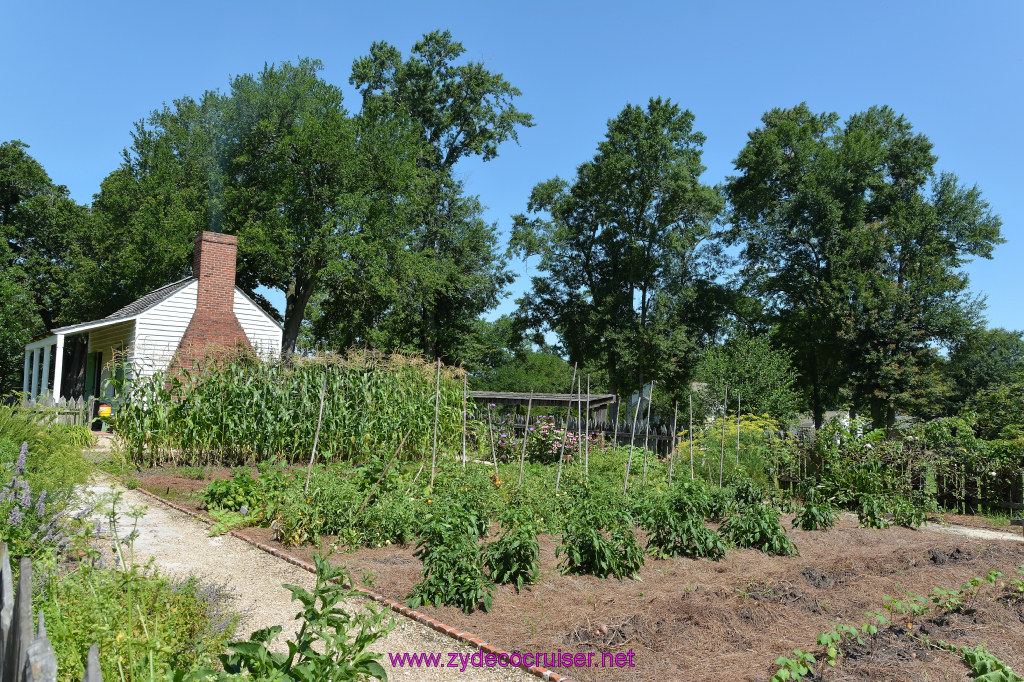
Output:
x=25 y=657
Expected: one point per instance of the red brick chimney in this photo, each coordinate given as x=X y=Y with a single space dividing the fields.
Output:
x=214 y=326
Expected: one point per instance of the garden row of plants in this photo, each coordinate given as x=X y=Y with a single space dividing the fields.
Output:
x=903 y=617
x=238 y=409
x=477 y=526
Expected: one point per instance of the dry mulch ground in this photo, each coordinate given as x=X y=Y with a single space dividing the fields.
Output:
x=702 y=620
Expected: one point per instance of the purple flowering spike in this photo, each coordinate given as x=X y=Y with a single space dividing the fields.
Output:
x=26 y=498
x=41 y=504
x=19 y=468
x=14 y=519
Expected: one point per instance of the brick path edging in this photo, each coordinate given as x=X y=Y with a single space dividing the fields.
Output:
x=398 y=607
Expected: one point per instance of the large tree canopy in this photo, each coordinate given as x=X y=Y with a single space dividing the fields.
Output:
x=627 y=262
x=451 y=262
x=983 y=359
x=856 y=245
x=358 y=213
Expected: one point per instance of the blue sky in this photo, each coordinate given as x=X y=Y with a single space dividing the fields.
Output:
x=77 y=75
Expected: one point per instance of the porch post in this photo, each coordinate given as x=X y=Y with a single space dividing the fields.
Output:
x=58 y=365
x=35 y=375
x=28 y=367
x=45 y=381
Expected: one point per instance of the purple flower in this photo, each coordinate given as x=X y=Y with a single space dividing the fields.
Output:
x=15 y=518
x=41 y=504
x=99 y=527
x=26 y=498
x=20 y=466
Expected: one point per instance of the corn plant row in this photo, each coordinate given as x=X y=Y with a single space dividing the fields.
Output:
x=239 y=409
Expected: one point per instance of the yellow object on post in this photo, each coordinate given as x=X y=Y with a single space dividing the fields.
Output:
x=104 y=410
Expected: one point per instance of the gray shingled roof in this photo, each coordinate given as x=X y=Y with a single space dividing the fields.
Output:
x=141 y=305
x=149 y=300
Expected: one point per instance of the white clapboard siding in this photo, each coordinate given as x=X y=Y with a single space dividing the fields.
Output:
x=159 y=330
x=111 y=341
x=263 y=332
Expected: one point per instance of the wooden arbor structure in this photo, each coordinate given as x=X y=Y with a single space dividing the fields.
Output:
x=597 y=406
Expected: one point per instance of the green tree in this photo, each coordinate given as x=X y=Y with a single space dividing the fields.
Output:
x=757 y=373
x=855 y=245
x=41 y=231
x=501 y=358
x=41 y=228
x=626 y=248
x=459 y=110
x=18 y=324
x=983 y=359
x=303 y=189
x=167 y=189
x=999 y=410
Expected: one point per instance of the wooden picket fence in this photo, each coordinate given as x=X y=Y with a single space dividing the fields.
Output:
x=63 y=411
x=24 y=656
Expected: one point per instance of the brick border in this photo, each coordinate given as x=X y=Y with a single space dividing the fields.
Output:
x=397 y=607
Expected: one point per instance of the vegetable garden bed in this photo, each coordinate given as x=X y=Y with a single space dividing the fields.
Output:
x=731 y=619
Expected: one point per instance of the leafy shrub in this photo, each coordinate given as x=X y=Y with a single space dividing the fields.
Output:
x=748 y=494
x=681 y=532
x=758 y=526
x=910 y=512
x=693 y=497
x=453 y=561
x=54 y=462
x=335 y=494
x=146 y=625
x=512 y=558
x=332 y=644
x=453 y=574
x=601 y=543
x=134 y=615
x=644 y=504
x=392 y=519
x=260 y=492
x=721 y=503
x=817 y=512
x=871 y=511
x=29 y=526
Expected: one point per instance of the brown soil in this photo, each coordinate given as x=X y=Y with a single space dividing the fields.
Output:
x=702 y=620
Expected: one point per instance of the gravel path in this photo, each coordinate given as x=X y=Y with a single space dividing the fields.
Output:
x=180 y=546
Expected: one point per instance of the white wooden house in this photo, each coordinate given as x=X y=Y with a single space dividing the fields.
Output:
x=176 y=323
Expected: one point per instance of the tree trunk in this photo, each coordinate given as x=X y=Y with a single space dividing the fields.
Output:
x=816 y=406
x=296 y=299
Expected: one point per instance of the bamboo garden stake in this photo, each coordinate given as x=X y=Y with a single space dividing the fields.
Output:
x=672 y=455
x=738 y=407
x=490 y=430
x=316 y=437
x=565 y=431
x=465 y=386
x=381 y=477
x=586 y=435
x=647 y=431
x=632 y=437
x=437 y=406
x=526 y=434
x=689 y=436
x=725 y=411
